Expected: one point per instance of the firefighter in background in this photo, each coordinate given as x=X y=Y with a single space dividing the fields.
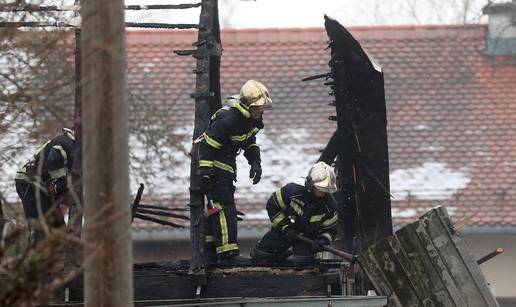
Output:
x=308 y=210
x=231 y=129
x=45 y=181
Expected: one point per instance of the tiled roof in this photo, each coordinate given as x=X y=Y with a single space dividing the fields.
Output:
x=451 y=109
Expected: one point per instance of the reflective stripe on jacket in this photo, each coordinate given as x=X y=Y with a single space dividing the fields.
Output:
x=231 y=129
x=293 y=205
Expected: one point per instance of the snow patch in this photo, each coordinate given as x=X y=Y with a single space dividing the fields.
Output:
x=432 y=180
x=403 y=213
x=285 y=159
x=431 y=148
x=422 y=127
x=13 y=152
x=261 y=215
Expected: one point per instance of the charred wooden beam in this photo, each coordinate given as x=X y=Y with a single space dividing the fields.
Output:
x=57 y=24
x=163 y=6
x=162 y=213
x=490 y=256
x=156 y=25
x=35 y=24
x=162 y=208
x=168 y=281
x=362 y=123
x=1 y=219
x=75 y=214
x=319 y=76
x=158 y=221
x=362 y=157
x=207 y=81
x=13 y=8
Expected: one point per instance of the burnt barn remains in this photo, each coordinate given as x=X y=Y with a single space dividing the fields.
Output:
x=418 y=255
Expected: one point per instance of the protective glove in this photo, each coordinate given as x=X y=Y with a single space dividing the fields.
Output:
x=290 y=233
x=255 y=172
x=60 y=185
x=206 y=184
x=319 y=242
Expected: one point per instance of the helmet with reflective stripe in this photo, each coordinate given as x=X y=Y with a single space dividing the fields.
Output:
x=321 y=177
x=69 y=133
x=253 y=93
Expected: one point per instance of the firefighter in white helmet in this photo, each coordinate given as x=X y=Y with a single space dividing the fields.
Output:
x=308 y=210
x=231 y=129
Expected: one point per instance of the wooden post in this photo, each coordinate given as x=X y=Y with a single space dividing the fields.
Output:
x=1 y=218
x=108 y=250
x=207 y=101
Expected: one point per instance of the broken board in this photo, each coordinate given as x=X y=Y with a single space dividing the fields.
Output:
x=426 y=263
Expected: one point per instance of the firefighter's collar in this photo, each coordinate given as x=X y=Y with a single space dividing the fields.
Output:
x=243 y=109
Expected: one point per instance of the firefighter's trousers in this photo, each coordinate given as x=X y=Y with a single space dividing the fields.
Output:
x=221 y=227
x=27 y=193
x=274 y=247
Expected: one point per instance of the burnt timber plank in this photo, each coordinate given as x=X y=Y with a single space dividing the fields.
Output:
x=460 y=263
x=423 y=270
x=388 y=260
x=375 y=273
x=435 y=258
x=362 y=154
x=407 y=271
x=167 y=282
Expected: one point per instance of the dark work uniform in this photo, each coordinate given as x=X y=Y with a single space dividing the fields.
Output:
x=294 y=206
x=46 y=174
x=231 y=130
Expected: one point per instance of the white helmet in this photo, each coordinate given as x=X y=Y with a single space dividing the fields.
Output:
x=253 y=93
x=69 y=133
x=322 y=177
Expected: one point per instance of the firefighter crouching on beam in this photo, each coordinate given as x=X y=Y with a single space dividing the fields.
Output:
x=45 y=180
x=231 y=129
x=308 y=210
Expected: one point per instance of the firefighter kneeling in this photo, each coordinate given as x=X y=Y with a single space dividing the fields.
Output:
x=294 y=209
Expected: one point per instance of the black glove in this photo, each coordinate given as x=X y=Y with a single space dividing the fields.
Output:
x=319 y=242
x=60 y=185
x=206 y=182
x=290 y=233
x=256 y=172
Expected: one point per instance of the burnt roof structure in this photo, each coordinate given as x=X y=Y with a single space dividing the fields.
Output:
x=450 y=112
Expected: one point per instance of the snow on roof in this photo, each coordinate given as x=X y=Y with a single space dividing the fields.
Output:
x=432 y=180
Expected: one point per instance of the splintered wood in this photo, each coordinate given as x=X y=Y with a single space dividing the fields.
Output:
x=426 y=263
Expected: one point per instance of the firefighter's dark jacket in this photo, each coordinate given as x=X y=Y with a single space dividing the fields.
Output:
x=312 y=216
x=56 y=159
x=231 y=129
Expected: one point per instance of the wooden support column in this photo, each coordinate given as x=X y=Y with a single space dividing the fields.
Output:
x=207 y=101
x=108 y=250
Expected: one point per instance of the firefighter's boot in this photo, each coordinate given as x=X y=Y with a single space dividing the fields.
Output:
x=233 y=259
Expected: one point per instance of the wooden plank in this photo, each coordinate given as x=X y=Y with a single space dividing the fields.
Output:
x=453 y=289
x=423 y=293
x=439 y=219
x=388 y=260
x=164 y=282
x=423 y=271
x=375 y=273
x=452 y=259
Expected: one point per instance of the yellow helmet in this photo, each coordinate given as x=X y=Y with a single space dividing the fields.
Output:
x=322 y=177
x=253 y=93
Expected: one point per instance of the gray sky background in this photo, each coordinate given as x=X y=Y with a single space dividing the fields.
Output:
x=309 y=13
